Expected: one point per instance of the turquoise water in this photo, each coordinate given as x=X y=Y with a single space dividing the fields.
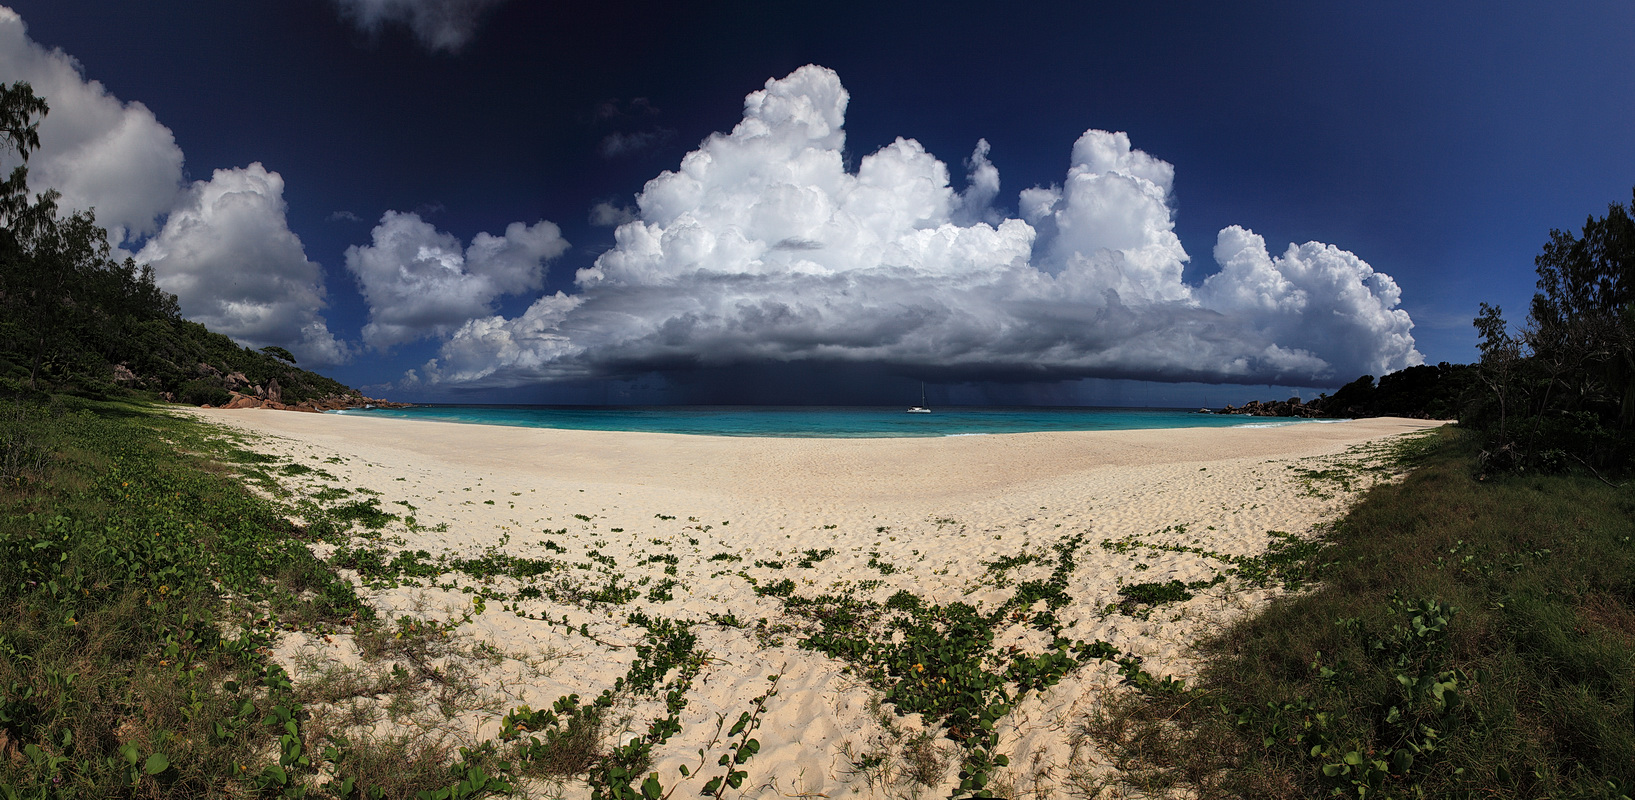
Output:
x=823 y=422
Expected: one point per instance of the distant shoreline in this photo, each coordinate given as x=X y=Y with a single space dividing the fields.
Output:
x=824 y=422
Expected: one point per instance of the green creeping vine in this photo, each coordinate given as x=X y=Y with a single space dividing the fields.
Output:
x=1004 y=564
x=1288 y=562
x=125 y=569
x=1351 y=470
x=140 y=589
x=885 y=567
x=940 y=660
x=670 y=646
x=1410 y=725
x=570 y=728
x=1137 y=595
x=740 y=747
x=571 y=734
x=780 y=588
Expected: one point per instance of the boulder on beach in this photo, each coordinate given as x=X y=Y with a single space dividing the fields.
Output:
x=243 y=401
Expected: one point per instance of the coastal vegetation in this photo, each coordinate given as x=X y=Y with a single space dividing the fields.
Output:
x=74 y=319
x=1442 y=391
x=142 y=583
x=1560 y=392
x=1473 y=633
x=1557 y=393
x=1467 y=637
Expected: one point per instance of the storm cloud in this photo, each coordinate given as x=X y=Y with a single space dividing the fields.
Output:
x=763 y=248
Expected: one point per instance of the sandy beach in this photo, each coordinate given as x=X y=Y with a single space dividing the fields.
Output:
x=701 y=528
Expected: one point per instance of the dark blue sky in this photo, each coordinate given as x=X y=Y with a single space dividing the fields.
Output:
x=1437 y=142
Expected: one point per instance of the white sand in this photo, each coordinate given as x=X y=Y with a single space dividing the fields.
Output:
x=935 y=510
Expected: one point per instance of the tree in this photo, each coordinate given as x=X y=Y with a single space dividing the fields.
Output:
x=69 y=313
x=1564 y=385
x=278 y=352
x=1502 y=355
x=1353 y=399
x=47 y=277
x=62 y=299
x=1583 y=316
x=43 y=259
x=20 y=111
x=23 y=225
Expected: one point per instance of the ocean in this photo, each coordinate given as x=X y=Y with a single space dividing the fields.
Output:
x=825 y=422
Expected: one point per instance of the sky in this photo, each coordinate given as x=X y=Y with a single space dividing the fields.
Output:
x=1166 y=204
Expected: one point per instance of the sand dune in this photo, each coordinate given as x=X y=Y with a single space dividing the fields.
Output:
x=931 y=517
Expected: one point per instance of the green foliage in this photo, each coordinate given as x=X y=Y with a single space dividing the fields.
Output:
x=1562 y=391
x=1443 y=391
x=885 y=567
x=661 y=592
x=278 y=353
x=69 y=313
x=1152 y=594
x=780 y=588
x=811 y=557
x=572 y=743
x=1289 y=561
x=1424 y=391
x=201 y=392
x=20 y=110
x=139 y=590
x=940 y=660
x=366 y=512
x=27 y=440
x=670 y=650
x=1469 y=639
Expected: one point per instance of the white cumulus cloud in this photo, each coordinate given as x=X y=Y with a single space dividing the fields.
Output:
x=1114 y=230
x=981 y=187
x=761 y=247
x=446 y=25
x=607 y=214
x=1315 y=291
x=223 y=246
x=229 y=256
x=97 y=151
x=420 y=281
